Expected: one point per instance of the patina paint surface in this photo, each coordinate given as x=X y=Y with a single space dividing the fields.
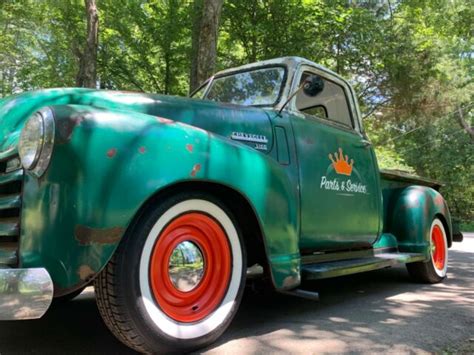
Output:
x=207 y=115
x=409 y=211
x=114 y=151
x=340 y=209
x=107 y=163
x=386 y=241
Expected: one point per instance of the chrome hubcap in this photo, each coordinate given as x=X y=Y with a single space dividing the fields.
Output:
x=186 y=266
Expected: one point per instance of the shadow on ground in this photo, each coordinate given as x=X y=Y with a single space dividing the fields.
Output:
x=380 y=311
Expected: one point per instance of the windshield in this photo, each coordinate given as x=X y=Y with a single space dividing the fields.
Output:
x=259 y=87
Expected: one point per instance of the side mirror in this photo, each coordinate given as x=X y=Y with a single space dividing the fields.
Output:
x=313 y=85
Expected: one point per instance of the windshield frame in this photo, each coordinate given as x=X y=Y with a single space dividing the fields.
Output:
x=210 y=81
x=204 y=84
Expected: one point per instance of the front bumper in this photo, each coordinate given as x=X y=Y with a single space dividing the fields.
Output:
x=24 y=293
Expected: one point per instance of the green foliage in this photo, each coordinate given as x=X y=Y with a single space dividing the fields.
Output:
x=144 y=45
x=467 y=227
x=443 y=151
x=389 y=159
x=411 y=62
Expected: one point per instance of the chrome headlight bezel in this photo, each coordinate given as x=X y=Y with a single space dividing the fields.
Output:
x=36 y=159
x=31 y=141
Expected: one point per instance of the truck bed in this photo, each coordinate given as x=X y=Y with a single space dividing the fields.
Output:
x=402 y=178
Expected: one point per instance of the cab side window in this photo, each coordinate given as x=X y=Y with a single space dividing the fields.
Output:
x=331 y=103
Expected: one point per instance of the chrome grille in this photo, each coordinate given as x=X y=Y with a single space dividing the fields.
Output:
x=10 y=207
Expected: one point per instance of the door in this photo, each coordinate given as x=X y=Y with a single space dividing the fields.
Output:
x=339 y=183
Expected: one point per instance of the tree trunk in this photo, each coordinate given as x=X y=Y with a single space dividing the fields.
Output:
x=464 y=124
x=87 y=75
x=204 y=45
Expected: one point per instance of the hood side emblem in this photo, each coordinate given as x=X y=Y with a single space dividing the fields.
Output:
x=258 y=141
x=249 y=137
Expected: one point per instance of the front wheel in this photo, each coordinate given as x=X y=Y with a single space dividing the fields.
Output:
x=434 y=270
x=177 y=278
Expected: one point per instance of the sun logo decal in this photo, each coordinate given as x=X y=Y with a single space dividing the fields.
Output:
x=341 y=163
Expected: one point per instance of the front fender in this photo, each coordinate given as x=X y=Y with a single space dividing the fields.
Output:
x=413 y=210
x=106 y=164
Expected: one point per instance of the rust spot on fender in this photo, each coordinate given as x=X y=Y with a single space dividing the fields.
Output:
x=65 y=128
x=196 y=169
x=88 y=236
x=290 y=281
x=85 y=272
x=439 y=200
x=111 y=152
x=142 y=150
x=164 y=120
x=189 y=147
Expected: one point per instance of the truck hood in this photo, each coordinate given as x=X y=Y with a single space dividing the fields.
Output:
x=222 y=119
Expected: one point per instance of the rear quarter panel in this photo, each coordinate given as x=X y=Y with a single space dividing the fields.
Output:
x=409 y=211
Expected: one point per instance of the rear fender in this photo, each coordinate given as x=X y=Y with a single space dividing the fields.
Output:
x=413 y=209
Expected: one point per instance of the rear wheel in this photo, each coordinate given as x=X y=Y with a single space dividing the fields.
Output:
x=177 y=279
x=434 y=270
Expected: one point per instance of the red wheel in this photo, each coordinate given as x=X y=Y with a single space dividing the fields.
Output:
x=177 y=279
x=192 y=292
x=438 y=249
x=435 y=269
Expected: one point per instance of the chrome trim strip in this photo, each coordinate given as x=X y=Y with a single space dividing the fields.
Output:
x=8 y=254
x=9 y=226
x=16 y=175
x=24 y=293
x=248 y=137
x=9 y=153
x=9 y=201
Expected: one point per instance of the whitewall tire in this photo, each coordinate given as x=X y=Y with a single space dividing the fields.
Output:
x=180 y=274
x=435 y=269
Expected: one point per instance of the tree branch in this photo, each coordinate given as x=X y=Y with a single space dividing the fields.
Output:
x=464 y=124
x=376 y=107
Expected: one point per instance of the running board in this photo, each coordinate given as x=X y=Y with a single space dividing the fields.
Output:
x=353 y=266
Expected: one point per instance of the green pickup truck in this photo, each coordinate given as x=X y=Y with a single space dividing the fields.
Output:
x=170 y=205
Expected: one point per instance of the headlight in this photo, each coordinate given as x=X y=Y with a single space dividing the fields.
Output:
x=36 y=142
x=31 y=141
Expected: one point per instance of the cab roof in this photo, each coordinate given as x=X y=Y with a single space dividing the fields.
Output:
x=291 y=62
